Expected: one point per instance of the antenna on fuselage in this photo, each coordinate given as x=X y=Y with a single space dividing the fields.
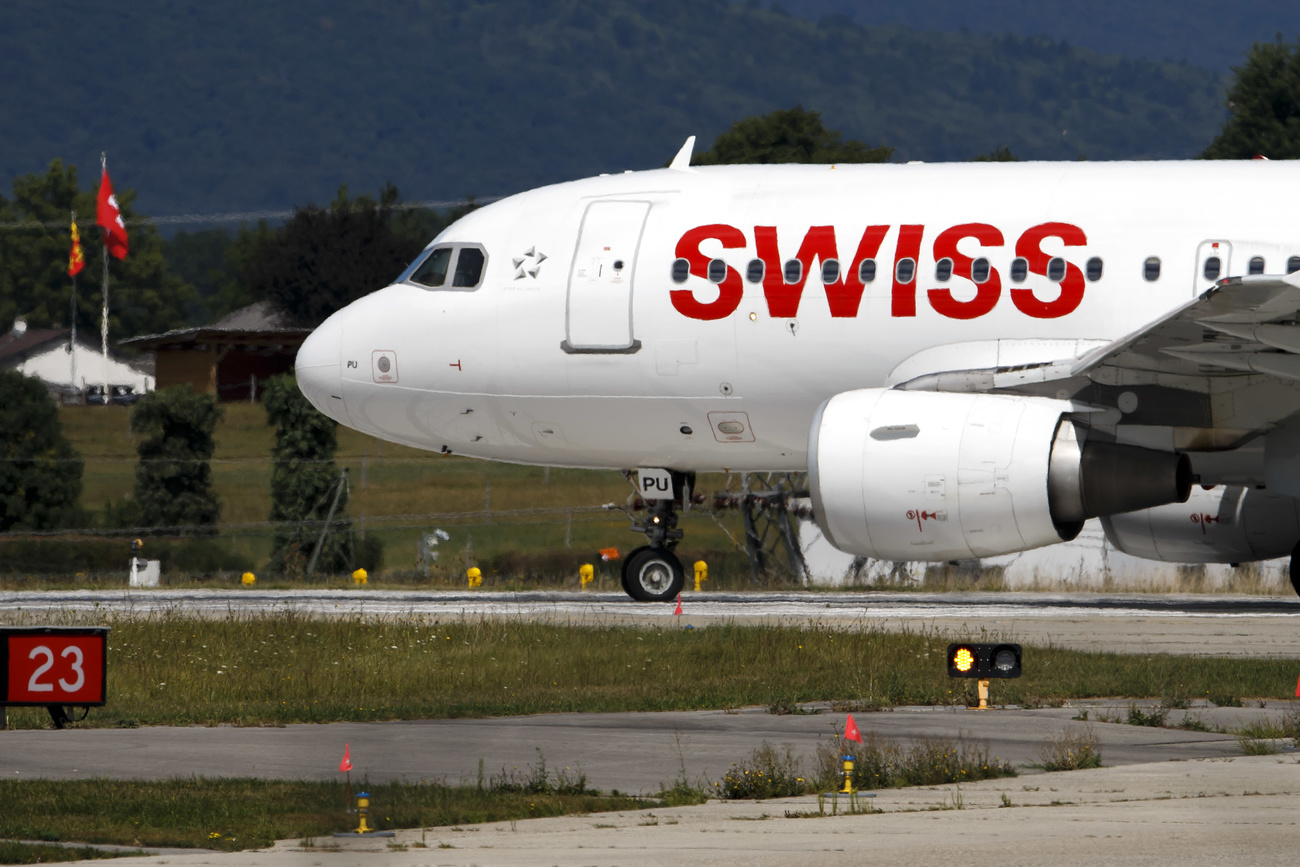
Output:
x=682 y=162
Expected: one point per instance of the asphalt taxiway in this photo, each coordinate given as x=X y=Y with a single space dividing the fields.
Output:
x=1217 y=625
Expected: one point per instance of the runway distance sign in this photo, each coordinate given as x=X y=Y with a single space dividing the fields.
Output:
x=54 y=665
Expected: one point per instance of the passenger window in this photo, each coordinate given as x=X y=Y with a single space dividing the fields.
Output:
x=1293 y=264
x=1019 y=269
x=943 y=270
x=754 y=273
x=979 y=270
x=1257 y=265
x=1212 y=267
x=717 y=271
x=793 y=271
x=867 y=271
x=433 y=270
x=1094 y=269
x=1151 y=269
x=905 y=272
x=830 y=271
x=681 y=270
x=469 y=268
x=1056 y=269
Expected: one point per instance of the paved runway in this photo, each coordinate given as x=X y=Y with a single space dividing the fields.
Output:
x=1257 y=626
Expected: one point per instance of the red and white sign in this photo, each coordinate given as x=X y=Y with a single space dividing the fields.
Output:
x=55 y=667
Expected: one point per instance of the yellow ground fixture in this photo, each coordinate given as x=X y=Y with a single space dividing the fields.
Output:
x=848 y=775
x=359 y=577
x=701 y=574
x=363 y=828
x=983 y=661
x=249 y=579
x=586 y=574
x=475 y=576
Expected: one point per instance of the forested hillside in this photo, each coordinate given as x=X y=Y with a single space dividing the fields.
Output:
x=1206 y=33
x=230 y=105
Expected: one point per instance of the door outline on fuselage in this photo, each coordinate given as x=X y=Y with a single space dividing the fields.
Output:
x=631 y=344
x=1205 y=250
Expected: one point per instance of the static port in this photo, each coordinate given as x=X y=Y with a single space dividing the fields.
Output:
x=686 y=429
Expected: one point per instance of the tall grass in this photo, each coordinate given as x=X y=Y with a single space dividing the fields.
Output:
x=280 y=668
x=233 y=814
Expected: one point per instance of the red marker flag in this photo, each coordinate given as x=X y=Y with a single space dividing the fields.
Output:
x=679 y=604
x=346 y=764
x=76 y=261
x=851 y=732
x=109 y=218
x=1297 y=689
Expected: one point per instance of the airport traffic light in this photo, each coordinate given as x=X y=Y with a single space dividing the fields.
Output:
x=972 y=659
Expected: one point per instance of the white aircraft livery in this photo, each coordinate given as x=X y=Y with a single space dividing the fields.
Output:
x=968 y=359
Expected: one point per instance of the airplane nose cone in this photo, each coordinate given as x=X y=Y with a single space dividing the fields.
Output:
x=317 y=368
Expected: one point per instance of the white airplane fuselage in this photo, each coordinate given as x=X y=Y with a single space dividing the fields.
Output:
x=557 y=357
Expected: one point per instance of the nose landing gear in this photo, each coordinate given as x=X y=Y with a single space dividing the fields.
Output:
x=652 y=573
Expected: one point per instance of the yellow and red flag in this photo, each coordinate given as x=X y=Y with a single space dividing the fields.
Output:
x=76 y=261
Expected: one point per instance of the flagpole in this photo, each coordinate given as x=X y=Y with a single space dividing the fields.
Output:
x=72 y=340
x=103 y=325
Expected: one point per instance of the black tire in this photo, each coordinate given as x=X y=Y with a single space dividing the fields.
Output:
x=653 y=575
x=1294 y=571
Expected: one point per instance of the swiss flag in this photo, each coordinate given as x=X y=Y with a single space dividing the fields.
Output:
x=851 y=732
x=346 y=764
x=109 y=218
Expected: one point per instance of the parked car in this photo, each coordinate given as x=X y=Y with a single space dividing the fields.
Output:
x=120 y=395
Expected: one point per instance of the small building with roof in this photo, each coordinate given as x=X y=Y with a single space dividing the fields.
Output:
x=232 y=358
x=68 y=368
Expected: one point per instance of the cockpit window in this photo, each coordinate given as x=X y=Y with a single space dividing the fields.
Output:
x=432 y=272
x=469 y=268
x=465 y=262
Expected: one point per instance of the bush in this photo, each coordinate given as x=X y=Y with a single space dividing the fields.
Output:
x=40 y=473
x=304 y=480
x=90 y=556
x=1075 y=749
x=173 y=481
x=767 y=773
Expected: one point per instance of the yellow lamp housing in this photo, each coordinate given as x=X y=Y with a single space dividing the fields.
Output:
x=984 y=660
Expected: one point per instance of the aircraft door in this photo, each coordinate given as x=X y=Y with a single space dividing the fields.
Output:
x=599 y=313
x=1212 y=261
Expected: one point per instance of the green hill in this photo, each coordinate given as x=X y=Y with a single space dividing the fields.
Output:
x=1204 y=32
x=229 y=105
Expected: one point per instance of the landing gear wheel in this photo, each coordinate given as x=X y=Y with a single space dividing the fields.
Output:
x=1294 y=571
x=653 y=575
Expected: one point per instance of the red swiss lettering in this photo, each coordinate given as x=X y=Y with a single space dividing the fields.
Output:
x=909 y=247
x=1029 y=247
x=730 y=290
x=986 y=293
x=843 y=296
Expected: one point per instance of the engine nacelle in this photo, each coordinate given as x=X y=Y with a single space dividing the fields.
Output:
x=1227 y=524
x=907 y=475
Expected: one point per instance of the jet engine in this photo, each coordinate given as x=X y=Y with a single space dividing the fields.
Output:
x=1227 y=524
x=907 y=475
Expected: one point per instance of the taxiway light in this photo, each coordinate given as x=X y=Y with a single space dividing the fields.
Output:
x=973 y=659
x=248 y=579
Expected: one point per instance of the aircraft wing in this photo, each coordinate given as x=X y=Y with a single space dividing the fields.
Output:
x=1212 y=374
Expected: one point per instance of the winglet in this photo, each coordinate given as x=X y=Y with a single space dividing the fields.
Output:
x=682 y=162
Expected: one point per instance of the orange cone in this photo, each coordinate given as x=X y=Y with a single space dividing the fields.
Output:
x=679 y=611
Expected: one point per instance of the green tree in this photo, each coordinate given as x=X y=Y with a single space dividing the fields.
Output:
x=173 y=480
x=325 y=258
x=304 y=479
x=1000 y=154
x=144 y=296
x=794 y=135
x=1263 y=106
x=40 y=473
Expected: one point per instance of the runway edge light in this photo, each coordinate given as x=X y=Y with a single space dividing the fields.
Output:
x=984 y=660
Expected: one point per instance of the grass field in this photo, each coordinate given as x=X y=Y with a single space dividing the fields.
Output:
x=394 y=488
x=172 y=670
x=234 y=814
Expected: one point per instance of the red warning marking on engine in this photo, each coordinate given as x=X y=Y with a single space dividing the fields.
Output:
x=1204 y=519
